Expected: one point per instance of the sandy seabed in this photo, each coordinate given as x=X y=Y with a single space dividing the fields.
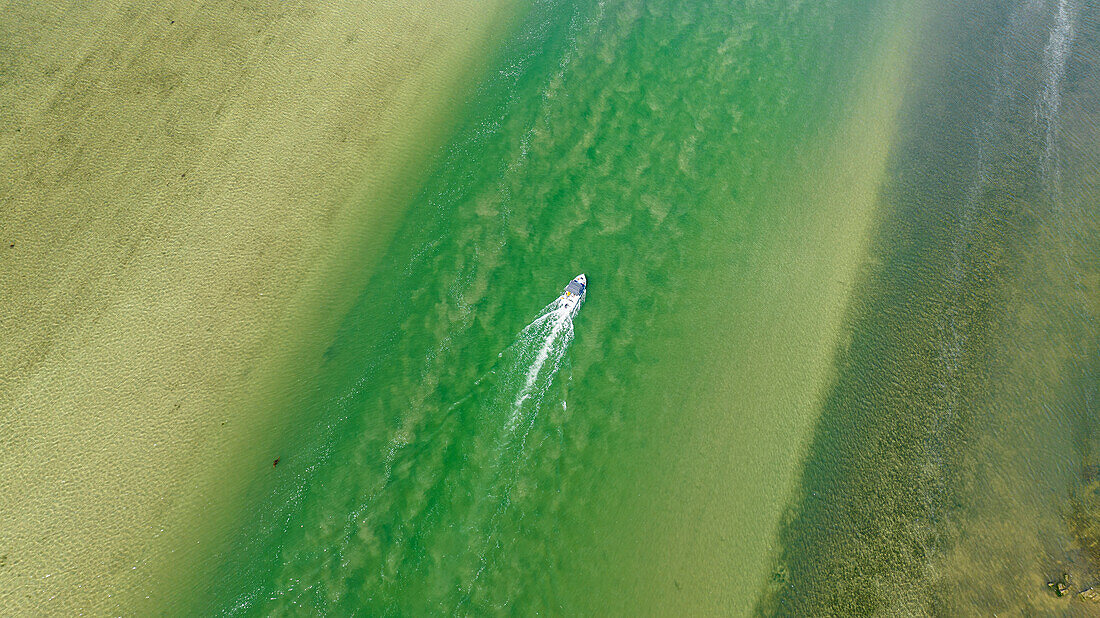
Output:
x=181 y=184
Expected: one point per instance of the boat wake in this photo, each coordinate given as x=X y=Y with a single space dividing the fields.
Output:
x=453 y=490
x=513 y=393
x=535 y=358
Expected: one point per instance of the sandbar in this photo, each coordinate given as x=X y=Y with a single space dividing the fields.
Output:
x=189 y=195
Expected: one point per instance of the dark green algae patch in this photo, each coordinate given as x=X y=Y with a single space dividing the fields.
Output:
x=953 y=470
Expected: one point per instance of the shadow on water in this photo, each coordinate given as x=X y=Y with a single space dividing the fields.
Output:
x=951 y=472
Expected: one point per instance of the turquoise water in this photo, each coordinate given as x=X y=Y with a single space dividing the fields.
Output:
x=470 y=451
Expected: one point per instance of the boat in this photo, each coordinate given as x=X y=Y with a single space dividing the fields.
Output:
x=573 y=295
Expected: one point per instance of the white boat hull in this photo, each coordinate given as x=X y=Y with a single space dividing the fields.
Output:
x=573 y=296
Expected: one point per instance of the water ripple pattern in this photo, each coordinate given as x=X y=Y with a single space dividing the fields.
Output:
x=974 y=450
x=628 y=140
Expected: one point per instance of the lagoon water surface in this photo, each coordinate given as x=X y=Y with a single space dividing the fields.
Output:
x=815 y=234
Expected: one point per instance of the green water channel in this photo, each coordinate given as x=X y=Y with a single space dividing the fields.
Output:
x=639 y=458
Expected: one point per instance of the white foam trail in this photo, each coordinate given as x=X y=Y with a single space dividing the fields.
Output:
x=1055 y=55
x=552 y=332
x=536 y=356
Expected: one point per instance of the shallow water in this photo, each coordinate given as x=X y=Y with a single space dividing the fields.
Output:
x=639 y=457
x=954 y=443
x=179 y=201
